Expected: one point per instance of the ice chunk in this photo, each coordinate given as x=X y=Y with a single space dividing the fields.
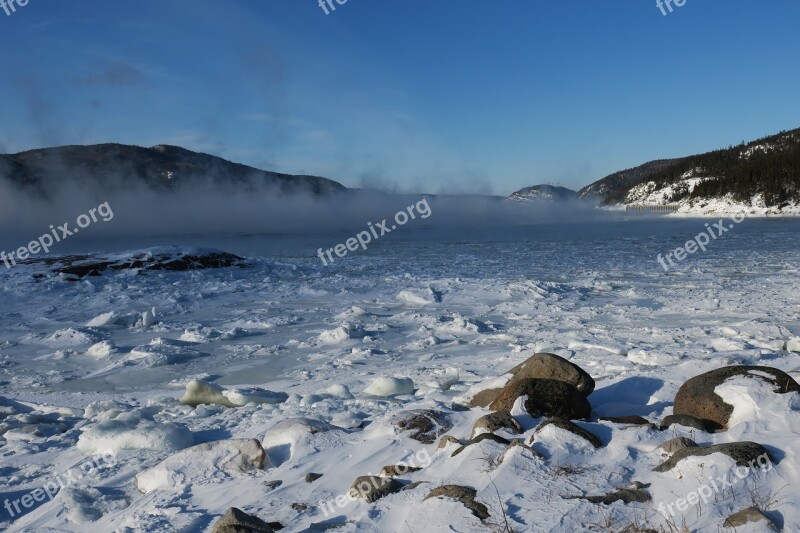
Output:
x=200 y=392
x=388 y=387
x=101 y=350
x=106 y=319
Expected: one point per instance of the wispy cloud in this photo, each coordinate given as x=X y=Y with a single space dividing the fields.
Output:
x=117 y=74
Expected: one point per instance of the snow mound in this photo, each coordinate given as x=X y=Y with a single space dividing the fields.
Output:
x=210 y=460
x=88 y=504
x=342 y=333
x=284 y=440
x=426 y=297
x=643 y=357
x=131 y=431
x=388 y=387
x=101 y=350
x=72 y=337
x=162 y=352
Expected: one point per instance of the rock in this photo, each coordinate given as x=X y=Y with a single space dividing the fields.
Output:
x=633 y=420
x=519 y=444
x=300 y=507
x=746 y=516
x=567 y=425
x=426 y=424
x=744 y=453
x=397 y=470
x=480 y=438
x=634 y=493
x=414 y=485
x=76 y=267
x=697 y=398
x=448 y=439
x=551 y=366
x=485 y=397
x=465 y=495
x=494 y=421
x=204 y=461
x=272 y=485
x=676 y=444
x=688 y=421
x=389 y=387
x=546 y=397
x=237 y=521
x=311 y=477
x=373 y=488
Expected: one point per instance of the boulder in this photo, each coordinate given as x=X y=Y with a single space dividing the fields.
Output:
x=635 y=493
x=677 y=444
x=697 y=398
x=631 y=419
x=485 y=397
x=465 y=495
x=480 y=438
x=448 y=439
x=373 y=488
x=688 y=421
x=426 y=424
x=545 y=397
x=236 y=521
x=551 y=366
x=494 y=421
x=398 y=470
x=744 y=453
x=746 y=516
x=567 y=425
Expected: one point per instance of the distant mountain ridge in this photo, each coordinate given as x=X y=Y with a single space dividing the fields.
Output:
x=764 y=173
x=161 y=167
x=544 y=192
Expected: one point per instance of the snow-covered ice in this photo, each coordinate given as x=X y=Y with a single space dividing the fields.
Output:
x=318 y=364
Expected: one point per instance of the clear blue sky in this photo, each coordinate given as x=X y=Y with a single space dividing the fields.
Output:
x=413 y=95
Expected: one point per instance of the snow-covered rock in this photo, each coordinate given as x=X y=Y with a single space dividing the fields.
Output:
x=210 y=460
x=133 y=430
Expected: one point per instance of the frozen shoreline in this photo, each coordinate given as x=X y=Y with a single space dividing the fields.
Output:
x=452 y=318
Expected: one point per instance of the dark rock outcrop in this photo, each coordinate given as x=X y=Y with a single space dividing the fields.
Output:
x=465 y=495
x=546 y=397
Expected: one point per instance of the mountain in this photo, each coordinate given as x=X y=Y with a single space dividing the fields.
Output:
x=763 y=175
x=160 y=167
x=544 y=192
x=603 y=189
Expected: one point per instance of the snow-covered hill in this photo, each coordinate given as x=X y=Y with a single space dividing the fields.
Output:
x=544 y=192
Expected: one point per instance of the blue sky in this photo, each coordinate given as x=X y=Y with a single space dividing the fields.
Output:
x=408 y=95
